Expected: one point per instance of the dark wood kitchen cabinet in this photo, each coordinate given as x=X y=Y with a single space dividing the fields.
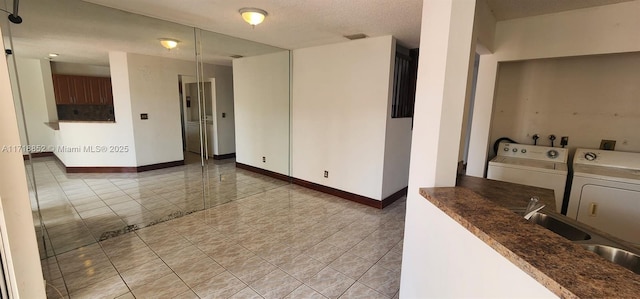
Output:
x=82 y=90
x=62 y=90
x=106 y=91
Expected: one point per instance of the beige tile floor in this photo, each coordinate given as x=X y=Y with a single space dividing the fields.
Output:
x=81 y=209
x=268 y=240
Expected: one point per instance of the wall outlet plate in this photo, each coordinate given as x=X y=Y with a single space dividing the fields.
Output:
x=608 y=145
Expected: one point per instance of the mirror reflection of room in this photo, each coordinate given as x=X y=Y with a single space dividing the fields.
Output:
x=120 y=86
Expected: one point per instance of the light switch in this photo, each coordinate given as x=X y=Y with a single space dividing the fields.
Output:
x=144 y=116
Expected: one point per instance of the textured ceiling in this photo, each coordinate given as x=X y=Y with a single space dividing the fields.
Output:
x=84 y=31
x=291 y=24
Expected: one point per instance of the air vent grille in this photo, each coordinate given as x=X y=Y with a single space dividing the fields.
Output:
x=356 y=36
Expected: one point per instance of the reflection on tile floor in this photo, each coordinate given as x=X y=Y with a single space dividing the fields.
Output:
x=81 y=209
x=284 y=241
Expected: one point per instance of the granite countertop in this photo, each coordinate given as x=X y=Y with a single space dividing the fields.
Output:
x=565 y=268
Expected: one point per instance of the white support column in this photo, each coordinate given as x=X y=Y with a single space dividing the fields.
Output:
x=20 y=248
x=479 y=146
x=441 y=258
x=443 y=71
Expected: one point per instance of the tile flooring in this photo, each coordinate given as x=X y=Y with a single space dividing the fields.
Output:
x=263 y=240
x=81 y=209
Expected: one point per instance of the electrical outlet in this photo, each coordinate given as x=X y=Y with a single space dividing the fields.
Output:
x=264 y=159
x=607 y=145
x=326 y=174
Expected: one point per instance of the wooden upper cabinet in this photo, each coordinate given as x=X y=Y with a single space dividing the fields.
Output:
x=62 y=90
x=94 y=94
x=82 y=90
x=106 y=91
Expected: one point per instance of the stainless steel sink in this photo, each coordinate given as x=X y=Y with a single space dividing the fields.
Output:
x=621 y=257
x=559 y=227
x=615 y=251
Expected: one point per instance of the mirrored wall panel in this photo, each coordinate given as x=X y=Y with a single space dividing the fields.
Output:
x=132 y=121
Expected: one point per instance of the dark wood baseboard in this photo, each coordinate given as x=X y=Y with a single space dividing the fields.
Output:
x=339 y=193
x=395 y=196
x=100 y=169
x=264 y=171
x=38 y=155
x=225 y=156
x=117 y=169
x=159 y=165
x=379 y=204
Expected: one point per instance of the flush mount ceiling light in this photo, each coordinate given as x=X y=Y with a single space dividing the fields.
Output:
x=169 y=43
x=253 y=16
x=53 y=55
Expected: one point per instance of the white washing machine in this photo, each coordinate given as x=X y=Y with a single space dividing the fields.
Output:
x=605 y=192
x=538 y=166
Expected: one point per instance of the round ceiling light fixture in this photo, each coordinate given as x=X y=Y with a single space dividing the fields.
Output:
x=253 y=16
x=169 y=43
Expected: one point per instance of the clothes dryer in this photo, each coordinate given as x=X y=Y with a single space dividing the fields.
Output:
x=605 y=192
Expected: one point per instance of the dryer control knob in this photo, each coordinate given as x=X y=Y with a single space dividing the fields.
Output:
x=552 y=154
x=515 y=150
x=506 y=149
x=524 y=151
x=590 y=156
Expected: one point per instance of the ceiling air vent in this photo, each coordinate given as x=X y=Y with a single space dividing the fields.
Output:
x=236 y=56
x=356 y=36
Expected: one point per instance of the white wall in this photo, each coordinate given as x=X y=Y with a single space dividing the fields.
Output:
x=341 y=95
x=225 y=126
x=484 y=27
x=20 y=248
x=141 y=84
x=66 y=68
x=397 y=147
x=120 y=133
x=456 y=264
x=261 y=92
x=17 y=102
x=155 y=91
x=397 y=153
x=153 y=83
x=587 y=98
x=38 y=99
x=590 y=31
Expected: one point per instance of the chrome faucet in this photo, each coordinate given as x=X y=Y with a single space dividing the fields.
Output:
x=533 y=207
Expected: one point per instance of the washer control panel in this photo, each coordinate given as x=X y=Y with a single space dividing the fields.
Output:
x=526 y=151
x=606 y=158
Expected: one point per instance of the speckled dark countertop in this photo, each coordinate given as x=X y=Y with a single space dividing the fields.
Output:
x=565 y=268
